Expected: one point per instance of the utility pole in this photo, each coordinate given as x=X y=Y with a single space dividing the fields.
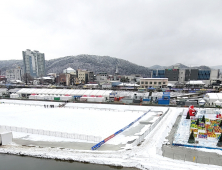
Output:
x=26 y=77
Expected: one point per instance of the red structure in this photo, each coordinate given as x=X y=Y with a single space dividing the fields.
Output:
x=192 y=111
x=218 y=116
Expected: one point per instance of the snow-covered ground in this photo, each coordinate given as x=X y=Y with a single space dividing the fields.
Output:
x=146 y=156
x=81 y=121
x=86 y=119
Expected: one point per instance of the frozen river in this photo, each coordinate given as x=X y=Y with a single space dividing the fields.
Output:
x=12 y=162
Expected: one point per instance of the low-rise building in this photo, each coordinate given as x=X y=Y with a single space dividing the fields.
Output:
x=102 y=76
x=153 y=82
x=14 y=74
x=61 y=79
x=83 y=76
x=3 y=79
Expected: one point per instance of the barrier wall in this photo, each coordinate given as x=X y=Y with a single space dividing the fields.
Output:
x=116 y=133
x=53 y=133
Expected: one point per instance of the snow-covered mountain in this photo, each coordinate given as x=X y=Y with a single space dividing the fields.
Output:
x=90 y=62
x=178 y=65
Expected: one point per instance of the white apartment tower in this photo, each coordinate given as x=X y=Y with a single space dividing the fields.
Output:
x=34 y=63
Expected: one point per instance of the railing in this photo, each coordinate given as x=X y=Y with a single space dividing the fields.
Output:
x=104 y=109
x=118 y=132
x=53 y=133
x=29 y=104
x=141 y=137
x=188 y=155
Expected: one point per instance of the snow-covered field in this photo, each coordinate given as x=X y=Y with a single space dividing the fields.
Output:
x=87 y=119
x=146 y=156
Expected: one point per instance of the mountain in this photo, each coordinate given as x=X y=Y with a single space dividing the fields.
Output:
x=158 y=67
x=6 y=64
x=90 y=62
x=180 y=66
x=217 y=67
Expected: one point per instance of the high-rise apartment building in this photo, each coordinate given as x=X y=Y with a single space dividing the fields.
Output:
x=34 y=63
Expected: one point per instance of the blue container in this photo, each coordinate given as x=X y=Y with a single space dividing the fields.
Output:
x=163 y=102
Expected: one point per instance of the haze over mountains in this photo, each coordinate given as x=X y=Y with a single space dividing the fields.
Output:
x=181 y=66
x=96 y=64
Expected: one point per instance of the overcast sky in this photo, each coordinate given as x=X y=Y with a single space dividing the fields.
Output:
x=145 y=32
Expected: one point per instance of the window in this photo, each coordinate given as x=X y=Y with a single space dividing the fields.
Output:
x=146 y=82
x=159 y=82
x=164 y=83
x=151 y=82
x=142 y=82
x=154 y=82
x=146 y=86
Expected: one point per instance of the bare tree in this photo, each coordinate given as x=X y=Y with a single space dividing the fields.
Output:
x=27 y=78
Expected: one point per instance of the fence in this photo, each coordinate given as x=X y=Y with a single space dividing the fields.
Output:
x=74 y=107
x=53 y=133
x=179 y=153
x=105 y=109
x=27 y=104
x=141 y=137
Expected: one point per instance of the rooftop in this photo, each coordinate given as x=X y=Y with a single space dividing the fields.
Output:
x=154 y=78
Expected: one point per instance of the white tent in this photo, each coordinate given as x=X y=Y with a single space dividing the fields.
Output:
x=217 y=103
x=66 y=98
x=61 y=92
x=170 y=85
x=202 y=102
x=213 y=97
x=40 y=97
x=5 y=137
x=195 y=82
x=14 y=96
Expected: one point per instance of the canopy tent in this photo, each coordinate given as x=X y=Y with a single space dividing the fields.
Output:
x=170 y=85
x=213 y=97
x=217 y=103
x=202 y=102
x=62 y=92
x=14 y=96
x=198 y=82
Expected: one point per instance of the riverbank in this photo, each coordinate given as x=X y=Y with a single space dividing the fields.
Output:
x=14 y=162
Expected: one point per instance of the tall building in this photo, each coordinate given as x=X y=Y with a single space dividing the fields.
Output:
x=172 y=74
x=34 y=63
